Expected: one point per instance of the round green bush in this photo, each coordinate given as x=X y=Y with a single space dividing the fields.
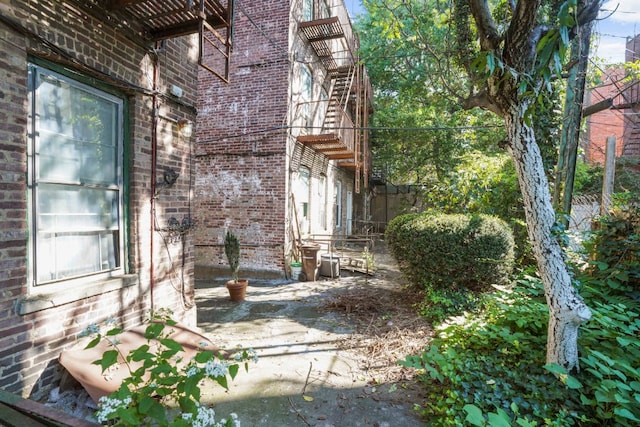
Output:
x=452 y=251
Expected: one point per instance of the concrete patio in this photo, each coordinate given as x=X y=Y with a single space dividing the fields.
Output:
x=304 y=377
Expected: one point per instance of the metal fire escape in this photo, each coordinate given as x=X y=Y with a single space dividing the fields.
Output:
x=153 y=20
x=342 y=136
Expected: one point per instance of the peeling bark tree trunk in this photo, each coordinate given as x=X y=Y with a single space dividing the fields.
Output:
x=567 y=310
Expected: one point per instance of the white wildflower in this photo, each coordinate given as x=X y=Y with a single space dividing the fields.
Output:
x=215 y=369
x=206 y=417
x=193 y=370
x=253 y=355
x=90 y=330
x=109 y=406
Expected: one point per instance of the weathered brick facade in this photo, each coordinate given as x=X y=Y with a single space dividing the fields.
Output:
x=605 y=123
x=248 y=159
x=38 y=322
x=632 y=99
x=622 y=121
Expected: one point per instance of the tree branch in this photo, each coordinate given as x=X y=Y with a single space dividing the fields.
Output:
x=490 y=38
x=588 y=11
x=482 y=100
x=522 y=36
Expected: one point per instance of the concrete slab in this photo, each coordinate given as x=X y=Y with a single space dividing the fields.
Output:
x=304 y=377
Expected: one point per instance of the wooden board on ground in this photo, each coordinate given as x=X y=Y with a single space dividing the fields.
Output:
x=356 y=264
x=18 y=412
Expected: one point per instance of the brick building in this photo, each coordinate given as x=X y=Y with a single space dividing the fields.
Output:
x=631 y=110
x=96 y=98
x=621 y=118
x=282 y=153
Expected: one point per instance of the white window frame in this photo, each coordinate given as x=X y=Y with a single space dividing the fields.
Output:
x=338 y=204
x=306 y=95
x=302 y=198
x=102 y=225
x=322 y=200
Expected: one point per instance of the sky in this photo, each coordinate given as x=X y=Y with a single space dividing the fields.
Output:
x=610 y=31
x=615 y=28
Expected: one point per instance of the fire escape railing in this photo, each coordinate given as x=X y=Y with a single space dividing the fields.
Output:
x=343 y=135
x=153 y=20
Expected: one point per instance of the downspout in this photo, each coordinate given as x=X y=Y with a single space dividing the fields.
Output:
x=154 y=153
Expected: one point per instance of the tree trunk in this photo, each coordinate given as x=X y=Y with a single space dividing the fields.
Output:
x=567 y=310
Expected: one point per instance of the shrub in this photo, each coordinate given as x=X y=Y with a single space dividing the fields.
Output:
x=615 y=246
x=449 y=251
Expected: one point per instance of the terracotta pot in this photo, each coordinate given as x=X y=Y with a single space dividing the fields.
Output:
x=237 y=290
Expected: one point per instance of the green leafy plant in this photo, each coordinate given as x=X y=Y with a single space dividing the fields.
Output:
x=615 y=245
x=163 y=388
x=449 y=251
x=495 y=359
x=367 y=256
x=440 y=304
x=232 y=251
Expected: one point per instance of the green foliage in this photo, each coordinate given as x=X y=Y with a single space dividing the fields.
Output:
x=232 y=251
x=448 y=251
x=440 y=304
x=615 y=246
x=495 y=359
x=162 y=389
x=485 y=182
x=588 y=179
x=421 y=131
x=627 y=175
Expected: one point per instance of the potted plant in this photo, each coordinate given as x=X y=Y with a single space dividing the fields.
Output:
x=237 y=287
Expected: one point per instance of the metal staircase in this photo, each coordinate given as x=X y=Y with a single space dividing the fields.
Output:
x=342 y=136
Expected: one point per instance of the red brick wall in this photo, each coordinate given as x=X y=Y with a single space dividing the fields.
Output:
x=623 y=123
x=605 y=123
x=241 y=150
x=34 y=330
x=632 y=96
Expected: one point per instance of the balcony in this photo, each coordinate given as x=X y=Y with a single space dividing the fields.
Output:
x=332 y=44
x=151 y=21
x=336 y=141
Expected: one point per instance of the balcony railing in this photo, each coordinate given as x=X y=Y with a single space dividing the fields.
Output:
x=335 y=138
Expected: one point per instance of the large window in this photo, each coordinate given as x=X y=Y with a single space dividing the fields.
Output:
x=317 y=9
x=75 y=179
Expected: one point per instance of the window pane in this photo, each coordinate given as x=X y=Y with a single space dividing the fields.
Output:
x=76 y=180
x=77 y=134
x=63 y=255
x=307 y=10
x=71 y=208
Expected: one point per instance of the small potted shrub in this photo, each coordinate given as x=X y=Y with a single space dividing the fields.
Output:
x=237 y=287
